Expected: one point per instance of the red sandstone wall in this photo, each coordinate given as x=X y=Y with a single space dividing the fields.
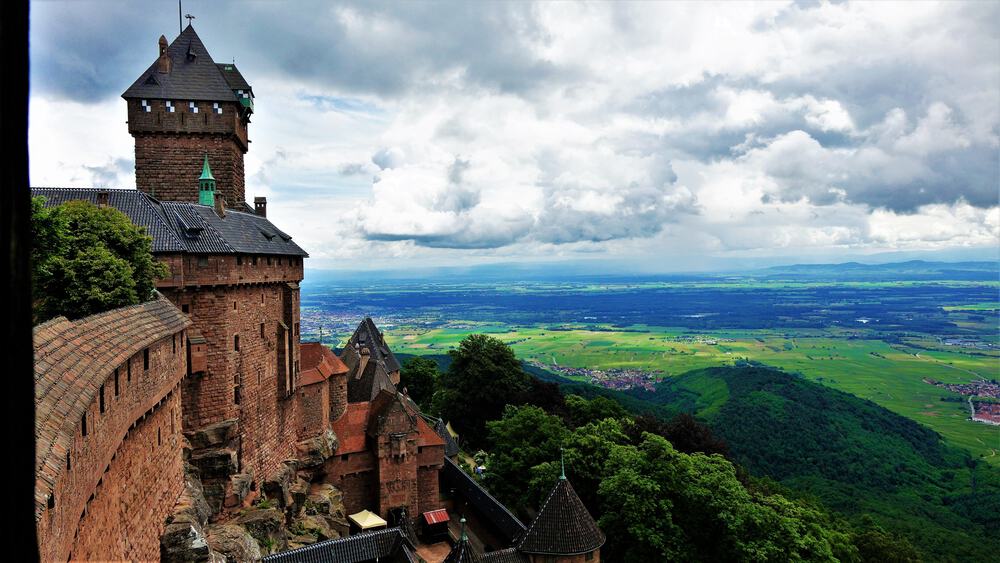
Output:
x=338 y=395
x=137 y=493
x=267 y=421
x=89 y=497
x=170 y=149
x=427 y=489
x=168 y=166
x=314 y=404
x=228 y=269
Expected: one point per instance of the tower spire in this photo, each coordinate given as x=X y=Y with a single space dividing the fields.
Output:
x=562 y=462
x=206 y=185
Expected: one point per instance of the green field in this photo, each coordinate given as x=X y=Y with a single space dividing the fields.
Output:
x=890 y=375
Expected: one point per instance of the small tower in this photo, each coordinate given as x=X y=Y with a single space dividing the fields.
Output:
x=563 y=530
x=462 y=551
x=184 y=106
x=206 y=185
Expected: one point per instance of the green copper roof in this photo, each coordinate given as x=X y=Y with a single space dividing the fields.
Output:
x=206 y=171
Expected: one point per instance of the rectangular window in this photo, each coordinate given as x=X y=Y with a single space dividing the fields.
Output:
x=83 y=425
x=170 y=107
x=217 y=108
x=236 y=395
x=145 y=359
x=185 y=308
x=128 y=368
x=239 y=260
x=202 y=261
x=262 y=330
x=116 y=382
x=193 y=107
x=159 y=439
x=236 y=343
x=69 y=465
x=174 y=340
x=344 y=457
x=100 y=400
x=296 y=329
x=146 y=107
x=234 y=305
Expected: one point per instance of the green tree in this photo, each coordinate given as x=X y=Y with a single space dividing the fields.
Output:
x=583 y=411
x=419 y=376
x=483 y=377
x=88 y=259
x=523 y=439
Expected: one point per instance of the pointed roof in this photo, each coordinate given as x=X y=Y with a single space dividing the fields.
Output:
x=367 y=334
x=563 y=525
x=206 y=170
x=462 y=551
x=369 y=373
x=193 y=75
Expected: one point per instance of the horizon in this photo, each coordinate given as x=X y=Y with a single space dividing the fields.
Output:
x=405 y=136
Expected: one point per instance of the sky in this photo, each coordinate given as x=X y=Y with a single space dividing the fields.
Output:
x=661 y=136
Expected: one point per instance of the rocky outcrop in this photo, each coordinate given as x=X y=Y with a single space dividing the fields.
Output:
x=316 y=450
x=238 y=489
x=214 y=435
x=267 y=526
x=278 y=487
x=233 y=542
x=184 y=537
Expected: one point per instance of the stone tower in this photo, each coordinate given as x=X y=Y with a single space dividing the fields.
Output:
x=185 y=107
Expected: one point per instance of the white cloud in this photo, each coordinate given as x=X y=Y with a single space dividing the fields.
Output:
x=559 y=129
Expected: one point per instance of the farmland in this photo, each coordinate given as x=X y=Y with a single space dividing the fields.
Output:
x=877 y=340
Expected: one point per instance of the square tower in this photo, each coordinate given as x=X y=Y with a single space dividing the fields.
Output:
x=183 y=107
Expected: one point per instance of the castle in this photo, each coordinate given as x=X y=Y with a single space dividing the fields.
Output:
x=158 y=425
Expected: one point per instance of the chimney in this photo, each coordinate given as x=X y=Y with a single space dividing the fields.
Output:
x=260 y=206
x=102 y=198
x=364 y=362
x=220 y=205
x=164 y=63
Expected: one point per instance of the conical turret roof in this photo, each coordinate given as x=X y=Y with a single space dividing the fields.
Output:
x=563 y=525
x=462 y=551
x=206 y=171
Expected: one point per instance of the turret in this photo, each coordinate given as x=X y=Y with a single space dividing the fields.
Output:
x=206 y=185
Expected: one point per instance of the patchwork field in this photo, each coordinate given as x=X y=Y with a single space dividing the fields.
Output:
x=878 y=340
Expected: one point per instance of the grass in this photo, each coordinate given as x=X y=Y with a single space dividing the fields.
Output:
x=889 y=374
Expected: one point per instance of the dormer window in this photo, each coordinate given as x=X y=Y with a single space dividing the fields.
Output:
x=146 y=107
x=170 y=107
x=217 y=108
x=193 y=107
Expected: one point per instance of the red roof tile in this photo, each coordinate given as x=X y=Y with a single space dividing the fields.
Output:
x=350 y=428
x=319 y=363
x=72 y=360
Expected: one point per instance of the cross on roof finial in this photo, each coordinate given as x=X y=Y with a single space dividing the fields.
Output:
x=562 y=461
x=189 y=18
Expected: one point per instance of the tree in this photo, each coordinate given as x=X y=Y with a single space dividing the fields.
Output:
x=685 y=432
x=483 y=377
x=88 y=259
x=523 y=439
x=419 y=376
x=583 y=411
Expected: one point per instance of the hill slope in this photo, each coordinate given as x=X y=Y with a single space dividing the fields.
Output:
x=855 y=456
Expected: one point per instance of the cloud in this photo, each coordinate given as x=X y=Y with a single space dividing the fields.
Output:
x=554 y=129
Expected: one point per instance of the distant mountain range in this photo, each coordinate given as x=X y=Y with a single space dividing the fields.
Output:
x=910 y=270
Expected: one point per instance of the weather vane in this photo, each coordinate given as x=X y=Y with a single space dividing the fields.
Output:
x=189 y=18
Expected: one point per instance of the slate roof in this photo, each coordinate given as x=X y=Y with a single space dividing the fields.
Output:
x=493 y=510
x=462 y=552
x=388 y=545
x=233 y=77
x=563 y=525
x=318 y=363
x=194 y=77
x=187 y=227
x=72 y=360
x=450 y=445
x=367 y=334
x=509 y=555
